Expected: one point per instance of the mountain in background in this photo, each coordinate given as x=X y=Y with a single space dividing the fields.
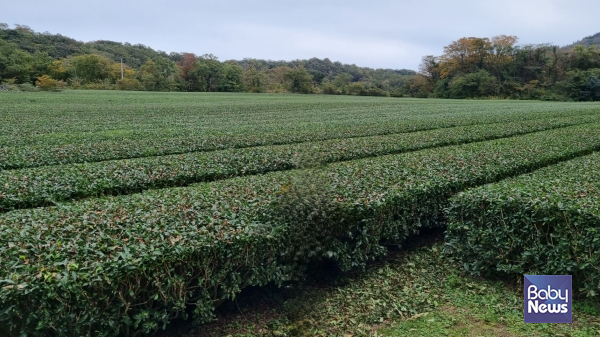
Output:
x=470 y=68
x=58 y=46
x=592 y=40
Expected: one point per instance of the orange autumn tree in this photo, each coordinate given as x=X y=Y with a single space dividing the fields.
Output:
x=464 y=55
x=501 y=54
x=187 y=66
x=470 y=54
x=469 y=67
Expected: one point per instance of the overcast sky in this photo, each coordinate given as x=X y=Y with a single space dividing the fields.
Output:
x=378 y=34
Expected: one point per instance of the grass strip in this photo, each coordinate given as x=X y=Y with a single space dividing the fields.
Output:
x=419 y=292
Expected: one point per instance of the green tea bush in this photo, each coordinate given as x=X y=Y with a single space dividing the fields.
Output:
x=48 y=185
x=129 y=264
x=90 y=132
x=127 y=268
x=546 y=222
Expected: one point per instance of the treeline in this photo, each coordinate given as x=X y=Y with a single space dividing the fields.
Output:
x=469 y=68
x=31 y=60
x=497 y=68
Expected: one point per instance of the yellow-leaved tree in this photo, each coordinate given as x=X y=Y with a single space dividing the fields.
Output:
x=47 y=83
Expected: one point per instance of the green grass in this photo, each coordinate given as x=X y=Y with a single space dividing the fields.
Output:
x=420 y=292
x=477 y=307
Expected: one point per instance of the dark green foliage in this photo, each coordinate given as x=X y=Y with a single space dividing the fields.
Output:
x=135 y=55
x=36 y=50
x=323 y=70
x=118 y=125
x=14 y=63
x=298 y=80
x=158 y=74
x=90 y=68
x=58 y=46
x=232 y=78
x=583 y=85
x=134 y=271
x=128 y=264
x=308 y=204
x=587 y=41
x=209 y=73
x=478 y=84
x=547 y=222
x=373 y=92
x=137 y=260
x=51 y=184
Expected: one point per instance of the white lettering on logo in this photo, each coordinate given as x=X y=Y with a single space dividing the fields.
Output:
x=532 y=306
x=554 y=308
x=533 y=294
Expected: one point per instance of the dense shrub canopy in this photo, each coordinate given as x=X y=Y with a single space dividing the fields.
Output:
x=143 y=207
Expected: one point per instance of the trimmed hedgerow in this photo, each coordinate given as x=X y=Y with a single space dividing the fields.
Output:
x=45 y=186
x=23 y=150
x=129 y=264
x=546 y=222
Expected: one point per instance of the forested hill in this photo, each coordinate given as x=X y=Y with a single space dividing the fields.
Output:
x=325 y=69
x=58 y=46
x=25 y=55
x=592 y=40
x=471 y=67
x=475 y=67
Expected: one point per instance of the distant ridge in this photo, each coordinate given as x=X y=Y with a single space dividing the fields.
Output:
x=59 y=46
x=592 y=40
x=27 y=56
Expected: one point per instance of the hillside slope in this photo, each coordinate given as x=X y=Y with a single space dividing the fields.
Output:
x=592 y=40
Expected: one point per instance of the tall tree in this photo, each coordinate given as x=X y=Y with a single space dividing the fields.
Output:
x=158 y=75
x=89 y=68
x=232 y=77
x=255 y=80
x=298 y=80
x=209 y=72
x=464 y=55
x=186 y=67
x=585 y=58
x=430 y=68
x=14 y=63
x=40 y=65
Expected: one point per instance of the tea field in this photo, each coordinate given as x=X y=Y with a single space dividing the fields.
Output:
x=121 y=211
